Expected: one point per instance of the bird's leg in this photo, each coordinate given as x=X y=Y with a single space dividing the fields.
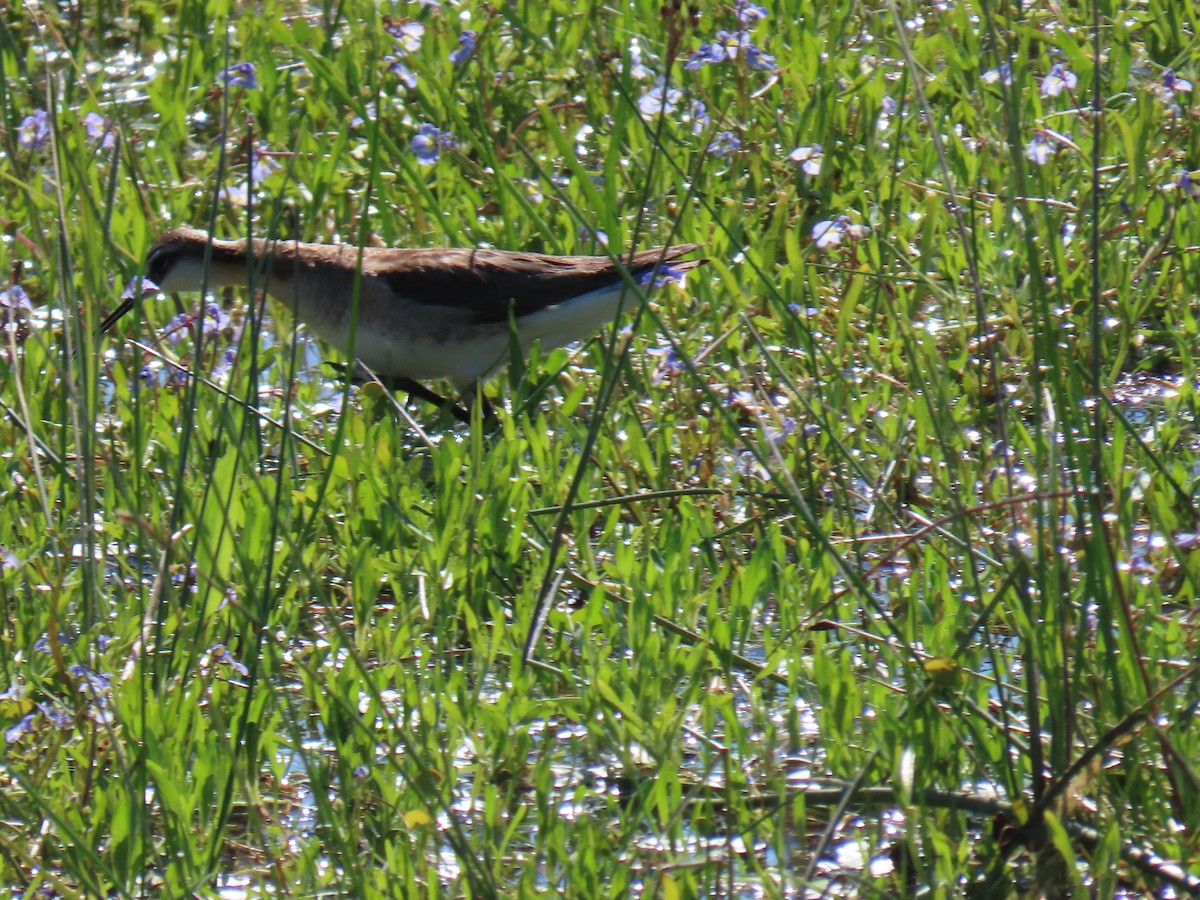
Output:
x=474 y=396
x=362 y=374
x=418 y=390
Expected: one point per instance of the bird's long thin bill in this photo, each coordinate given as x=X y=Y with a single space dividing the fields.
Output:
x=126 y=306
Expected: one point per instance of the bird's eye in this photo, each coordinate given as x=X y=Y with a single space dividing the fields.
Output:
x=156 y=266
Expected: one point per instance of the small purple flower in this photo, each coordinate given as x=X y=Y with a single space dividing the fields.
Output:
x=262 y=163
x=42 y=644
x=147 y=287
x=369 y=109
x=89 y=681
x=406 y=75
x=664 y=275
x=238 y=194
x=759 y=59
x=698 y=115
x=1173 y=84
x=778 y=436
x=408 y=39
x=669 y=364
x=831 y=232
x=749 y=13
x=708 y=54
x=1039 y=150
x=659 y=99
x=1183 y=182
x=15 y=310
x=1057 y=80
x=220 y=654
x=224 y=364
x=218 y=317
x=1067 y=233
x=637 y=70
x=25 y=726
x=35 y=130
x=589 y=234
x=213 y=319
x=1003 y=73
x=887 y=109
x=241 y=75
x=56 y=716
x=176 y=330
x=809 y=158
x=724 y=143
x=96 y=127
x=407 y=36
x=747 y=466
x=730 y=42
x=15 y=693
x=727 y=45
x=429 y=142
x=15 y=299
x=466 y=47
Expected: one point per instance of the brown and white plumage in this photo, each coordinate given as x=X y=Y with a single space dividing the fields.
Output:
x=422 y=314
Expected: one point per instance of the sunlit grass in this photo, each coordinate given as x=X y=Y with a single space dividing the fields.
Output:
x=864 y=565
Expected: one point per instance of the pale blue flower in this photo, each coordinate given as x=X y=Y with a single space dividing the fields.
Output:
x=262 y=163
x=809 y=158
x=408 y=39
x=1057 y=80
x=1172 y=83
x=96 y=127
x=1003 y=73
x=429 y=142
x=241 y=75
x=664 y=275
x=35 y=130
x=831 y=232
x=369 y=109
x=749 y=13
x=466 y=47
x=589 y=234
x=724 y=143
x=708 y=54
x=407 y=36
x=25 y=726
x=1039 y=150
x=1184 y=183
x=637 y=70
x=759 y=59
x=407 y=76
x=669 y=364
x=659 y=99
x=14 y=297
x=731 y=42
x=887 y=109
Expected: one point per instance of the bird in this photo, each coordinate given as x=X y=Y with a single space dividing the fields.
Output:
x=423 y=314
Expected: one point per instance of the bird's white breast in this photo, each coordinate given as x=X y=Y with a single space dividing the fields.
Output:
x=401 y=338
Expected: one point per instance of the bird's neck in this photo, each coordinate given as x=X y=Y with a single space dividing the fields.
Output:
x=228 y=264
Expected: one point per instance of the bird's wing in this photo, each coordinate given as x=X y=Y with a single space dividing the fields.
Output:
x=491 y=285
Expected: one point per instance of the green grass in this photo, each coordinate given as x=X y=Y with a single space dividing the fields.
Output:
x=898 y=562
